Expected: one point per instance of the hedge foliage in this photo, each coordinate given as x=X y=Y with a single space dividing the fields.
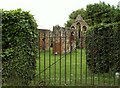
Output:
x=103 y=48
x=19 y=34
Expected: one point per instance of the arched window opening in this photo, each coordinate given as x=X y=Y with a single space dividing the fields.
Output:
x=78 y=24
x=73 y=27
x=84 y=28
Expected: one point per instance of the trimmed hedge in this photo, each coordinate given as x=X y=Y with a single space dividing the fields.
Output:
x=19 y=34
x=103 y=48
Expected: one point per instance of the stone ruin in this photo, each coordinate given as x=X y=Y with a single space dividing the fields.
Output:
x=64 y=39
x=44 y=39
x=81 y=27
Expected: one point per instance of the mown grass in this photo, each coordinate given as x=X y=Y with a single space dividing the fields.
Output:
x=80 y=74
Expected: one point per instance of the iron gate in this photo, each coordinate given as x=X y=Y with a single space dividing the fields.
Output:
x=63 y=61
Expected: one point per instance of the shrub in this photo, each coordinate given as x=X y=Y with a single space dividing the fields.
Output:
x=19 y=34
x=103 y=48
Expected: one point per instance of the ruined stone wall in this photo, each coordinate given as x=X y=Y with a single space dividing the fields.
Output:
x=44 y=39
x=81 y=27
x=62 y=40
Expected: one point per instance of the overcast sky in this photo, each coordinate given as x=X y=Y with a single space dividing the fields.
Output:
x=50 y=12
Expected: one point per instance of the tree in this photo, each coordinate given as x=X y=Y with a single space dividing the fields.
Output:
x=101 y=13
x=96 y=13
x=73 y=16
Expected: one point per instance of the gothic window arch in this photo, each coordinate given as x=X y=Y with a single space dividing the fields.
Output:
x=84 y=28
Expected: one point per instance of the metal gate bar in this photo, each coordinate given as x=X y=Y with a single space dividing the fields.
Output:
x=49 y=73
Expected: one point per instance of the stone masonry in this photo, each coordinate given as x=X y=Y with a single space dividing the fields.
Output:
x=44 y=39
x=81 y=26
x=64 y=39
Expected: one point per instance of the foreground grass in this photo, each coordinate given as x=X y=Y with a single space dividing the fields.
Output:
x=69 y=69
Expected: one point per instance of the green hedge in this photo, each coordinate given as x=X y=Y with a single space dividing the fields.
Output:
x=19 y=34
x=103 y=48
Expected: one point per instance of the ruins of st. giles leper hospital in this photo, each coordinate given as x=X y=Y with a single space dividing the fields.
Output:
x=62 y=39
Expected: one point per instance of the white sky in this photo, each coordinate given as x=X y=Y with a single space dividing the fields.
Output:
x=49 y=13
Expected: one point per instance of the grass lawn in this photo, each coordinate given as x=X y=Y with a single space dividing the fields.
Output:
x=71 y=69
